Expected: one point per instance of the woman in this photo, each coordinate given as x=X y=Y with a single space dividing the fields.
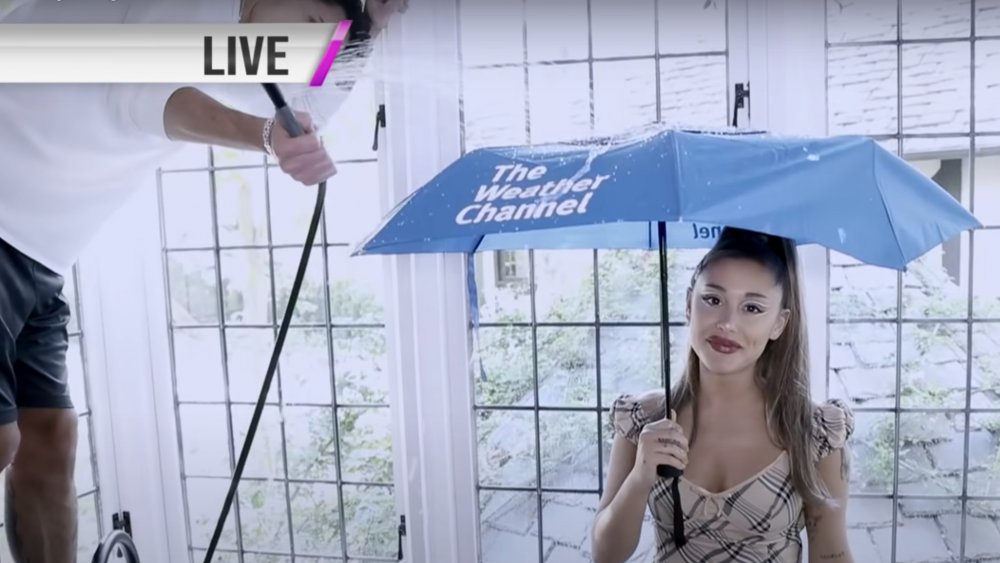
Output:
x=761 y=461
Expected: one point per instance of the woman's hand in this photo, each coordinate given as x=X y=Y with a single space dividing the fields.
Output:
x=662 y=442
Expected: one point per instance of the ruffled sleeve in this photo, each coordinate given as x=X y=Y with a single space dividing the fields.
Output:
x=630 y=413
x=833 y=425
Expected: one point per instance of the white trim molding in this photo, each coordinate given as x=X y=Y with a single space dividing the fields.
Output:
x=427 y=316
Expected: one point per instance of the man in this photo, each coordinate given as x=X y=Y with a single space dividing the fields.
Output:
x=71 y=155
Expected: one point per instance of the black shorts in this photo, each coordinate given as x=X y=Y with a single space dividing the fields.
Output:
x=34 y=336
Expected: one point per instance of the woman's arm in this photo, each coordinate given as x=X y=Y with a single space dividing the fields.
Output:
x=826 y=526
x=618 y=524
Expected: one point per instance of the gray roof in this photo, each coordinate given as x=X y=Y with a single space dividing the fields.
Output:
x=863 y=83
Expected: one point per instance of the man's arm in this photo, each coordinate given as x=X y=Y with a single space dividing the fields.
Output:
x=826 y=526
x=191 y=115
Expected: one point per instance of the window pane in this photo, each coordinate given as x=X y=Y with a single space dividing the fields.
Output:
x=692 y=26
x=985 y=365
x=187 y=209
x=936 y=87
x=505 y=526
x=316 y=519
x=624 y=95
x=863 y=363
x=567 y=366
x=987 y=81
x=192 y=279
x=356 y=288
x=198 y=365
x=623 y=29
x=564 y=285
x=292 y=207
x=204 y=499
x=204 y=434
x=984 y=455
x=494 y=107
x=266 y=459
x=366 y=445
x=872 y=20
x=359 y=364
x=863 y=89
x=89 y=529
x=312 y=445
x=84 y=475
x=562 y=116
x=566 y=523
x=492 y=32
x=507 y=354
x=371 y=522
x=936 y=19
x=987 y=17
x=305 y=367
x=693 y=91
x=981 y=535
x=242 y=207
x=248 y=354
x=264 y=516
x=557 y=30
x=77 y=376
x=987 y=181
x=860 y=291
x=311 y=305
x=506 y=448
x=985 y=277
x=569 y=450
x=352 y=208
x=919 y=532
x=246 y=278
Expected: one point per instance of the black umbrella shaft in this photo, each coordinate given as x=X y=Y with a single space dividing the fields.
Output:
x=664 y=312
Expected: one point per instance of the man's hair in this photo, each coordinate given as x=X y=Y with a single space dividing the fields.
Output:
x=355 y=10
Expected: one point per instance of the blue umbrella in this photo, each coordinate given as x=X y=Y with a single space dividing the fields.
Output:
x=845 y=193
x=669 y=187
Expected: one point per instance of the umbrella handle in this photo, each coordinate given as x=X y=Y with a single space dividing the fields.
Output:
x=668 y=471
x=665 y=471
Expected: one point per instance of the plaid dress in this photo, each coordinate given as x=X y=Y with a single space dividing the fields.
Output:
x=757 y=521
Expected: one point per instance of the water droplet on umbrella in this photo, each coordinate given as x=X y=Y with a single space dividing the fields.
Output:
x=813 y=158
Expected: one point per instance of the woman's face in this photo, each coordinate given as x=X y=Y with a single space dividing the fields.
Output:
x=734 y=310
x=294 y=11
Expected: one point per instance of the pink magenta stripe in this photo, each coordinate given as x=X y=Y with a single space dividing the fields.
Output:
x=332 y=49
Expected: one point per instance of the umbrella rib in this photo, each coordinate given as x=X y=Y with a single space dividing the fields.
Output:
x=885 y=205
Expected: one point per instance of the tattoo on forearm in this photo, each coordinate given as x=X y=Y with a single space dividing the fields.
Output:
x=812 y=522
x=837 y=555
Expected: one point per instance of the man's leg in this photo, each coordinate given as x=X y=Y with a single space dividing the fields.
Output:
x=41 y=505
x=41 y=518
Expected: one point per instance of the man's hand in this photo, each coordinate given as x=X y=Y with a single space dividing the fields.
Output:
x=303 y=158
x=381 y=11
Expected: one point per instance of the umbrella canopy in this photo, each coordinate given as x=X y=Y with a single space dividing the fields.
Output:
x=845 y=193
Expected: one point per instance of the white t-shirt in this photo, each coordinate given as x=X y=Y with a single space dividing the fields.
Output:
x=72 y=154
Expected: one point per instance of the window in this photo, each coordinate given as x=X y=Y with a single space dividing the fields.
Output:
x=916 y=353
x=511 y=267
x=563 y=332
x=319 y=481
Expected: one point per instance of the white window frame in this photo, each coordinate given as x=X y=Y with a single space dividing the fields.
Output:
x=128 y=352
x=431 y=391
